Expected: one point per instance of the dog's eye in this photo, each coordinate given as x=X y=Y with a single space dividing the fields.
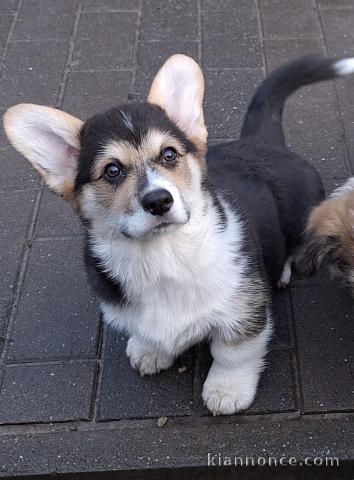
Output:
x=169 y=155
x=112 y=171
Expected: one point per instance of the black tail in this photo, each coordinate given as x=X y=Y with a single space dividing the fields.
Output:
x=264 y=115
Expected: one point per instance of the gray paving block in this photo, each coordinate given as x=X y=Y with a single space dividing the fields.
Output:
x=47 y=393
x=45 y=19
x=241 y=46
x=8 y=6
x=152 y=55
x=311 y=115
x=312 y=128
x=338 y=31
x=57 y=315
x=94 y=92
x=16 y=209
x=56 y=218
x=112 y=48
x=231 y=52
x=279 y=51
x=289 y=18
x=282 y=319
x=125 y=394
x=169 y=20
x=139 y=450
x=102 y=5
x=227 y=94
x=5 y=25
x=32 y=72
x=323 y=318
x=335 y=4
x=16 y=172
x=5 y=306
x=276 y=392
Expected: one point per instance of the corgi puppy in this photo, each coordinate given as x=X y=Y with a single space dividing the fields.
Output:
x=180 y=245
x=329 y=236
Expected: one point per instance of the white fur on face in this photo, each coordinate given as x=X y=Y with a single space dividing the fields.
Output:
x=141 y=223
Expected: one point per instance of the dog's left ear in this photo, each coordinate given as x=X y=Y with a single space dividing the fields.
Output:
x=178 y=88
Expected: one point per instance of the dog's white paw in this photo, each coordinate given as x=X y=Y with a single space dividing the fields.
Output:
x=285 y=277
x=228 y=393
x=146 y=360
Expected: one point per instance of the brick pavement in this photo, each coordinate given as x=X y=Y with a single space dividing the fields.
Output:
x=69 y=402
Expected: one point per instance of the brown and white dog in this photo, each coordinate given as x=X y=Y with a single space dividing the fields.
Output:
x=329 y=236
x=178 y=251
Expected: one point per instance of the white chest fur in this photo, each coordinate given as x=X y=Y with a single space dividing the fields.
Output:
x=179 y=285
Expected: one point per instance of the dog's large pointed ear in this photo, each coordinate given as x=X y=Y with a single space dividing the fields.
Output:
x=49 y=139
x=178 y=88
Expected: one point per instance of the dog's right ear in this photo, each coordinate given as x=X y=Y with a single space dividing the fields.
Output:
x=49 y=139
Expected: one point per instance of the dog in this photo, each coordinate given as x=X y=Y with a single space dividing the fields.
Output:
x=182 y=245
x=329 y=237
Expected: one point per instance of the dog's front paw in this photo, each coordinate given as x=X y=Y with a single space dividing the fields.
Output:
x=228 y=392
x=146 y=360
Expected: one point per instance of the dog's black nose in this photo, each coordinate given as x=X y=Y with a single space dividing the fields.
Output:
x=157 y=202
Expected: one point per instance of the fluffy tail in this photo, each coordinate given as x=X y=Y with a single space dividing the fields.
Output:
x=264 y=115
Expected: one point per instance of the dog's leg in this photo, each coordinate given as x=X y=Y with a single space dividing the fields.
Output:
x=146 y=358
x=232 y=380
x=285 y=276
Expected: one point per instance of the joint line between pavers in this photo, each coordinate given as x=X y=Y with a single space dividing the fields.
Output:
x=74 y=33
x=20 y=277
x=295 y=358
x=5 y=52
x=200 y=33
x=261 y=37
x=134 y=69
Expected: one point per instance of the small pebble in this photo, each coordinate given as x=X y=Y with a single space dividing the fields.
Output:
x=182 y=369
x=161 y=421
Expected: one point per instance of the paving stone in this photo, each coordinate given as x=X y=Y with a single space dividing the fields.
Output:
x=323 y=318
x=152 y=55
x=312 y=128
x=16 y=209
x=227 y=94
x=5 y=25
x=57 y=315
x=125 y=394
x=32 y=72
x=279 y=51
x=16 y=172
x=90 y=93
x=338 y=30
x=45 y=19
x=133 y=452
x=311 y=116
x=112 y=48
x=289 y=18
x=56 y=218
x=169 y=20
x=282 y=319
x=5 y=304
x=102 y=5
x=241 y=46
x=28 y=392
x=276 y=391
x=335 y=4
x=8 y=6
x=339 y=36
